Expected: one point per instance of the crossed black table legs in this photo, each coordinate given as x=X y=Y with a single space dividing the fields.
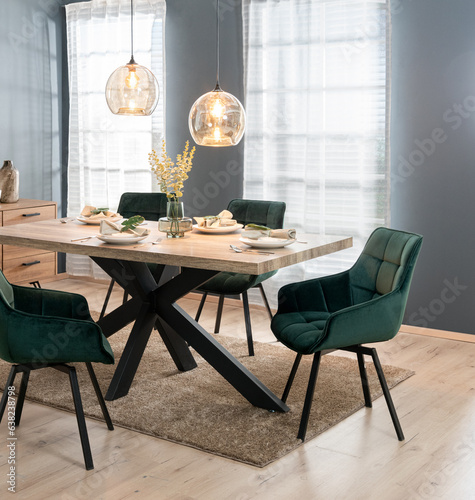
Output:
x=153 y=303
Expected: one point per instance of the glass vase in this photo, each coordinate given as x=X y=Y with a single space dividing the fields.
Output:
x=174 y=224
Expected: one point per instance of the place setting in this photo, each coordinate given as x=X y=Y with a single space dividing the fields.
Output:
x=252 y=235
x=94 y=216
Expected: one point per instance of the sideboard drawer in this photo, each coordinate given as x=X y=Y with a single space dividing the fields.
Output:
x=34 y=267
x=24 y=215
x=24 y=265
x=13 y=252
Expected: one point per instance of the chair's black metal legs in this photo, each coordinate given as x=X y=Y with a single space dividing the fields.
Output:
x=371 y=351
x=247 y=315
x=387 y=395
x=71 y=371
x=264 y=298
x=10 y=381
x=106 y=300
x=309 y=396
x=100 y=397
x=86 y=448
x=364 y=380
x=219 y=314
x=200 y=308
x=21 y=396
x=295 y=367
x=360 y=352
x=247 y=320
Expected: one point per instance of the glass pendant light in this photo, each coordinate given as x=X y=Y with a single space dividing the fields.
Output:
x=132 y=90
x=217 y=118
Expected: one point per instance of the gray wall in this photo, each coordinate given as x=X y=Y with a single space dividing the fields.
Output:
x=216 y=176
x=30 y=94
x=433 y=155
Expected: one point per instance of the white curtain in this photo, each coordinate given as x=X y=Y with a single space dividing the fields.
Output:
x=108 y=154
x=317 y=103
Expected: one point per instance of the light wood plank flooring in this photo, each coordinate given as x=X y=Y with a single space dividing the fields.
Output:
x=360 y=458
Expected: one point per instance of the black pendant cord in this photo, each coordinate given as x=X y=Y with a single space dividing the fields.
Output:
x=132 y=32
x=217 y=46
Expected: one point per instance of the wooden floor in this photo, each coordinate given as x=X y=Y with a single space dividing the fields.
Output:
x=360 y=458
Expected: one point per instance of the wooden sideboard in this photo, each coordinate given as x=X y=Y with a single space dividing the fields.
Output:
x=22 y=265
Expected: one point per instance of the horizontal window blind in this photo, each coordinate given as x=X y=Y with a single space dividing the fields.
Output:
x=317 y=94
x=108 y=154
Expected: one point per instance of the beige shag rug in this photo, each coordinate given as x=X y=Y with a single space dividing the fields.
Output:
x=200 y=409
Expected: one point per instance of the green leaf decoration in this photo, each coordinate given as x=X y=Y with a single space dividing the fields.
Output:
x=257 y=227
x=99 y=210
x=132 y=223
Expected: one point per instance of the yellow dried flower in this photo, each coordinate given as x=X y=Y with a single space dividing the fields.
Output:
x=171 y=176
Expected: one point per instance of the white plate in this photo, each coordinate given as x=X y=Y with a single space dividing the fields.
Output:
x=120 y=238
x=218 y=230
x=97 y=222
x=267 y=242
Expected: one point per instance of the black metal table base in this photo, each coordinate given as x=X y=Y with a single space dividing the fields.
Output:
x=153 y=303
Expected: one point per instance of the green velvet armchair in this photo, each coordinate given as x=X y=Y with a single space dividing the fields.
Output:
x=364 y=304
x=46 y=329
x=265 y=213
x=152 y=206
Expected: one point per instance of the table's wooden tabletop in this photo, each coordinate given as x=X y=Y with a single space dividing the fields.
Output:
x=195 y=250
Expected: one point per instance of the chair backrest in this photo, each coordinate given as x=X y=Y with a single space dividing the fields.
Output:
x=152 y=206
x=6 y=301
x=386 y=264
x=264 y=213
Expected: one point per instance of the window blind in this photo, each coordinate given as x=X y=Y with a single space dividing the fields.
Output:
x=108 y=154
x=317 y=94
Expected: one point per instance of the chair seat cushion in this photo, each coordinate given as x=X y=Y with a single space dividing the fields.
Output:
x=233 y=283
x=300 y=331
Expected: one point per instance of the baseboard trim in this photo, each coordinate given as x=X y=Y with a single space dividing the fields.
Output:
x=441 y=334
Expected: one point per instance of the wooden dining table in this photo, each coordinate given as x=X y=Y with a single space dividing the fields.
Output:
x=183 y=264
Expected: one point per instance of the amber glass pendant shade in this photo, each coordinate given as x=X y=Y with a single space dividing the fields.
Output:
x=217 y=119
x=132 y=90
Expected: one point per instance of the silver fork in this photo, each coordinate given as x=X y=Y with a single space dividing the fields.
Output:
x=241 y=250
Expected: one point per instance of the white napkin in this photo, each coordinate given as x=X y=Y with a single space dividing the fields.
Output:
x=88 y=209
x=224 y=218
x=282 y=234
x=109 y=228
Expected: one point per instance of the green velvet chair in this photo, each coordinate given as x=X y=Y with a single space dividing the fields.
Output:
x=363 y=305
x=152 y=206
x=46 y=329
x=266 y=213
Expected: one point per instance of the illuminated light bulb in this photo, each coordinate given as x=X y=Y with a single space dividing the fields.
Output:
x=217 y=119
x=132 y=104
x=218 y=109
x=132 y=80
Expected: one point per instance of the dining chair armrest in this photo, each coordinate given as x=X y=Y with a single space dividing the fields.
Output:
x=376 y=320
x=326 y=294
x=50 y=339
x=44 y=302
